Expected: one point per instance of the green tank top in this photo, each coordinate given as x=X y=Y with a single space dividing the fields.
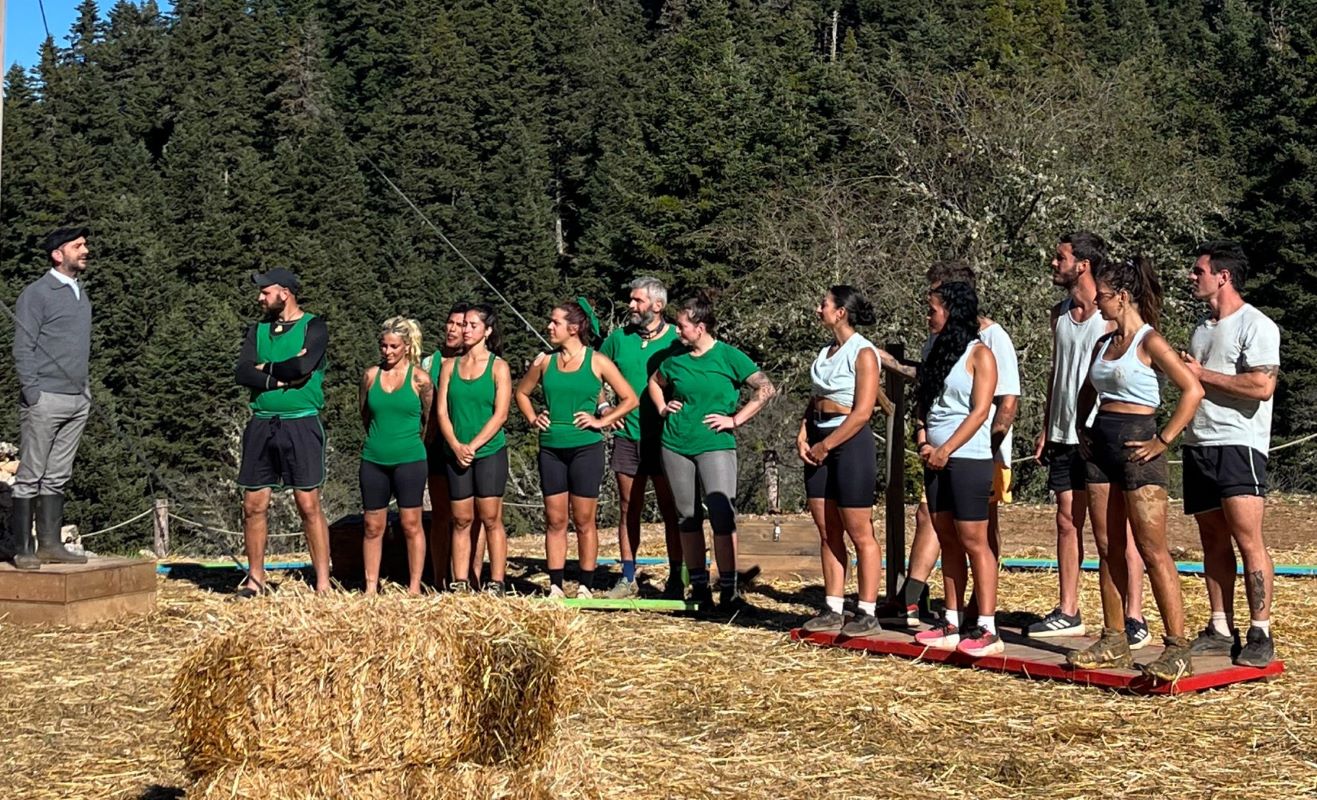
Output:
x=566 y=393
x=289 y=402
x=394 y=436
x=471 y=404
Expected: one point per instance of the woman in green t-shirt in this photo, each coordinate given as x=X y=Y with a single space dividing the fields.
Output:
x=571 y=446
x=475 y=392
x=394 y=400
x=696 y=393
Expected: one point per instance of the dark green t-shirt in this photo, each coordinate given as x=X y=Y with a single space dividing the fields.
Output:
x=637 y=359
x=707 y=384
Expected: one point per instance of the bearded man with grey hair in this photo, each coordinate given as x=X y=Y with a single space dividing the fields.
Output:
x=638 y=348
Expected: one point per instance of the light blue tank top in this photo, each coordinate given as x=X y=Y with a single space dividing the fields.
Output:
x=834 y=378
x=951 y=408
x=1126 y=379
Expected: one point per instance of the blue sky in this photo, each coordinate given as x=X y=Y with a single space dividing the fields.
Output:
x=24 y=32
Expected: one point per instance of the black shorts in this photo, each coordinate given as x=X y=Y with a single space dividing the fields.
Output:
x=962 y=487
x=484 y=477
x=633 y=458
x=1212 y=472
x=1065 y=468
x=406 y=482
x=1110 y=457
x=849 y=473
x=282 y=453
x=578 y=470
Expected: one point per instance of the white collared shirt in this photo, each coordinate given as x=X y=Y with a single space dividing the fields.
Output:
x=72 y=282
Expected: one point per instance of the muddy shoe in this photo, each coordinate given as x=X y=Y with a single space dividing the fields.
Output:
x=1259 y=650
x=1174 y=663
x=1111 y=651
x=623 y=590
x=1211 y=643
x=826 y=622
x=862 y=625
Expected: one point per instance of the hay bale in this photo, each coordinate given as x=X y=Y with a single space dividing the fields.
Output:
x=564 y=777
x=344 y=683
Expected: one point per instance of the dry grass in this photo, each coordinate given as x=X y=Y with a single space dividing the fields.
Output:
x=681 y=709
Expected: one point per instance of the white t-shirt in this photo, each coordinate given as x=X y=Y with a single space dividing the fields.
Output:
x=1245 y=340
x=1008 y=380
x=1008 y=377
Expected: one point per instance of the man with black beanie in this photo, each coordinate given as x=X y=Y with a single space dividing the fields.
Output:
x=52 y=350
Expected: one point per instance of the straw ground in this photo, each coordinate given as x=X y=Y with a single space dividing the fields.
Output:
x=685 y=709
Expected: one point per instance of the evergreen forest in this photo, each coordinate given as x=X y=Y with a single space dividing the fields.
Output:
x=765 y=148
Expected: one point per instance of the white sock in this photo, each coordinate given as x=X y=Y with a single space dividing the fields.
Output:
x=835 y=604
x=953 y=617
x=1219 y=623
x=872 y=606
x=988 y=623
x=1263 y=625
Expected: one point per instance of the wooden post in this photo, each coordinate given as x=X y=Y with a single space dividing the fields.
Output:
x=770 y=481
x=161 y=519
x=895 y=495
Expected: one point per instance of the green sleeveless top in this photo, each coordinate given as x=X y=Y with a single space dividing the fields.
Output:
x=394 y=436
x=566 y=393
x=471 y=404
x=290 y=402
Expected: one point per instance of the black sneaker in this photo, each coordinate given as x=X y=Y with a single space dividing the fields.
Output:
x=1211 y=643
x=731 y=601
x=673 y=588
x=1136 y=631
x=826 y=622
x=702 y=595
x=459 y=587
x=1057 y=623
x=494 y=588
x=861 y=625
x=1259 y=650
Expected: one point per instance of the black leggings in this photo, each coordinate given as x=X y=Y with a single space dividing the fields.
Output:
x=483 y=477
x=578 y=470
x=403 y=481
x=849 y=472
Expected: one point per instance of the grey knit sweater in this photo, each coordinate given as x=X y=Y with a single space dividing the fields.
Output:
x=52 y=339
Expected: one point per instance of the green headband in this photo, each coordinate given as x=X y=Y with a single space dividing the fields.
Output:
x=589 y=312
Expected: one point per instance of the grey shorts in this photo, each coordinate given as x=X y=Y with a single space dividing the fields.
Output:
x=633 y=458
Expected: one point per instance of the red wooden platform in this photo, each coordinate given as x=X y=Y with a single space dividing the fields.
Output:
x=1045 y=659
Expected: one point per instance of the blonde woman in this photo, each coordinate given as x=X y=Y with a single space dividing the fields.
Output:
x=394 y=400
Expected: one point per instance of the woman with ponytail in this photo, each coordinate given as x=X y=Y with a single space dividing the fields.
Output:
x=475 y=393
x=1124 y=447
x=696 y=393
x=571 y=443
x=954 y=405
x=841 y=462
x=394 y=399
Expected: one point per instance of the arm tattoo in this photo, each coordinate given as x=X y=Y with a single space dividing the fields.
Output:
x=1256 y=589
x=1270 y=370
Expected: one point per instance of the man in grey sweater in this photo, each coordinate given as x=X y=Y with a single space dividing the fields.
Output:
x=52 y=348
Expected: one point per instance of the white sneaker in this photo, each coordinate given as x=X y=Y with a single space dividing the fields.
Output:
x=556 y=592
x=583 y=592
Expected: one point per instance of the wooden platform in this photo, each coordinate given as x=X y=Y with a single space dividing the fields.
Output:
x=77 y=594
x=1045 y=659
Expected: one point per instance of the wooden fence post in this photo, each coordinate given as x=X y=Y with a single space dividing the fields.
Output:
x=161 y=520
x=895 y=494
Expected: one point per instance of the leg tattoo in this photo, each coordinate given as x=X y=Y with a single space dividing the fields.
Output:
x=1256 y=589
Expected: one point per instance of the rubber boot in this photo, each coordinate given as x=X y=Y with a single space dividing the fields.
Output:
x=20 y=535
x=50 y=518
